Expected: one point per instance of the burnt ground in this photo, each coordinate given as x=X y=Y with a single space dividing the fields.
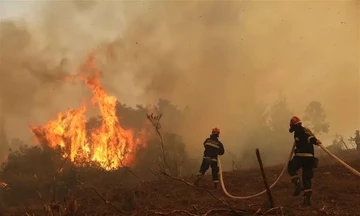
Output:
x=336 y=192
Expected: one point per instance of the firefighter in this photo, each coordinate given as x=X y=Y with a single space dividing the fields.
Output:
x=303 y=158
x=213 y=148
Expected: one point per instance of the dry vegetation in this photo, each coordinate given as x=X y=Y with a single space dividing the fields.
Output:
x=42 y=182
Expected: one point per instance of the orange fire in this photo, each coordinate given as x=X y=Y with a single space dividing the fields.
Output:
x=109 y=144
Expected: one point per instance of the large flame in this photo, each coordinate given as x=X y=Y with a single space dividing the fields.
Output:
x=109 y=144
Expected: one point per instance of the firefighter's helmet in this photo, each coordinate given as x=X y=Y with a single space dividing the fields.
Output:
x=294 y=121
x=215 y=131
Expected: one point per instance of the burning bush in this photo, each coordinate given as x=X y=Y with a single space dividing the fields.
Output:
x=34 y=169
x=94 y=151
x=108 y=143
x=45 y=168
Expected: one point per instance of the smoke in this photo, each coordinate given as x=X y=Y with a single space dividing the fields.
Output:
x=221 y=59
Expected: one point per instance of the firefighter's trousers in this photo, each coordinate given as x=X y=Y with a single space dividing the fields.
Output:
x=307 y=165
x=210 y=162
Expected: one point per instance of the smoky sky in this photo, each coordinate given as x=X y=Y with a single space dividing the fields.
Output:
x=219 y=58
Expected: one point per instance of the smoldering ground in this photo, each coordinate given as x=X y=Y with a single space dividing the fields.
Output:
x=222 y=59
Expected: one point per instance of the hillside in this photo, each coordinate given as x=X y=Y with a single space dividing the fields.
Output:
x=336 y=192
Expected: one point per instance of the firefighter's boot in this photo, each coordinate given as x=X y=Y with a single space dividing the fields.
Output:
x=216 y=185
x=307 y=198
x=298 y=187
x=198 y=179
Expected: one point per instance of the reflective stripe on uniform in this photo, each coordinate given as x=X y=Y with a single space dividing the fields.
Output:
x=309 y=138
x=304 y=155
x=307 y=190
x=212 y=145
x=209 y=158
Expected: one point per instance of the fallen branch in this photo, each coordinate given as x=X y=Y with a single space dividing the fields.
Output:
x=153 y=172
x=202 y=189
x=107 y=202
x=130 y=171
x=192 y=214
x=127 y=168
x=102 y=198
x=174 y=212
x=281 y=209
x=271 y=210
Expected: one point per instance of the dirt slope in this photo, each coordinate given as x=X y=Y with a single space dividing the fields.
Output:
x=336 y=192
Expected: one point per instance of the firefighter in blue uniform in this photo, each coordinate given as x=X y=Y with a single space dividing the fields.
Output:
x=213 y=148
x=303 y=158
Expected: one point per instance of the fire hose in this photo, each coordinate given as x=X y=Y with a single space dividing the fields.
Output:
x=339 y=160
x=281 y=174
x=254 y=195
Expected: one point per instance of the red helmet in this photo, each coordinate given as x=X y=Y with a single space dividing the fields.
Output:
x=294 y=121
x=215 y=131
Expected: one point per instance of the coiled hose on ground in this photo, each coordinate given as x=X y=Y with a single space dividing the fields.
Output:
x=282 y=172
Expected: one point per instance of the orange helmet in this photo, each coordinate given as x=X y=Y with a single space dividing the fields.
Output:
x=294 y=121
x=215 y=131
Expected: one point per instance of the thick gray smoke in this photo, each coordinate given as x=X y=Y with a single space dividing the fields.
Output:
x=219 y=58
